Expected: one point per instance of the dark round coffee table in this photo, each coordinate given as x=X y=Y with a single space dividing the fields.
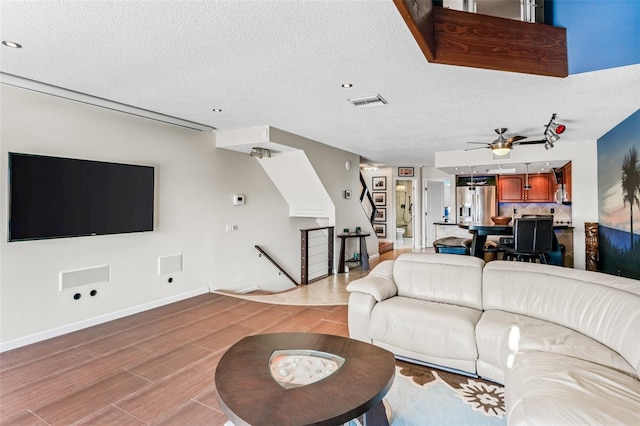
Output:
x=249 y=394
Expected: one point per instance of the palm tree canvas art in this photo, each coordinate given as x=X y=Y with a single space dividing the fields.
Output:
x=619 y=198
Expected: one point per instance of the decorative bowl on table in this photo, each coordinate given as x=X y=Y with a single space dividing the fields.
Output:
x=501 y=220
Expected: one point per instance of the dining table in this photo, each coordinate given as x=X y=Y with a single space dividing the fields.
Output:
x=480 y=231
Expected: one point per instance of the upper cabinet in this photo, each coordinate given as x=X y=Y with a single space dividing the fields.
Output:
x=541 y=189
x=566 y=179
x=511 y=189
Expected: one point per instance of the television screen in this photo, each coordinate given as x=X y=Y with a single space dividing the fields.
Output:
x=53 y=197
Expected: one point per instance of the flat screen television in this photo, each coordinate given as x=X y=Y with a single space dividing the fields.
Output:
x=54 y=197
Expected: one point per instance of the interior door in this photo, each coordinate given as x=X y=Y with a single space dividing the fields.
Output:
x=434 y=208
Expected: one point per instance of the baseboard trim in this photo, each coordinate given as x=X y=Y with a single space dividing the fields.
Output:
x=69 y=328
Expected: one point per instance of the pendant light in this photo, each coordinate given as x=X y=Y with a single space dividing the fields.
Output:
x=526 y=178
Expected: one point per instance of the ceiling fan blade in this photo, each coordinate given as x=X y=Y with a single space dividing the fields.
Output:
x=516 y=138
x=483 y=143
x=480 y=147
x=530 y=142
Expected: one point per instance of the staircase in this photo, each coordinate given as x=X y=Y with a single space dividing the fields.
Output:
x=366 y=200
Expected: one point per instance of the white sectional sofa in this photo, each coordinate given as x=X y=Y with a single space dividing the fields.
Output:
x=564 y=342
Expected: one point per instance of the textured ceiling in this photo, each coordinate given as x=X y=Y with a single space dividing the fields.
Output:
x=282 y=63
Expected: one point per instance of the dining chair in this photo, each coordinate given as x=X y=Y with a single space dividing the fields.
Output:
x=533 y=239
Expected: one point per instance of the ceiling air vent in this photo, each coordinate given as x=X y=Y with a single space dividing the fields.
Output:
x=368 y=101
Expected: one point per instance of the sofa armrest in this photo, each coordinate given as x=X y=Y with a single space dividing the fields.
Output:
x=379 y=283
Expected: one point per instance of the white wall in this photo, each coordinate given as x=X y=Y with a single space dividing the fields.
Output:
x=195 y=183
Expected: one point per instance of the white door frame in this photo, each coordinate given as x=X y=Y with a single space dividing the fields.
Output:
x=416 y=202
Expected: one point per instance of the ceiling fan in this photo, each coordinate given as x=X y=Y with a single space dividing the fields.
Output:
x=502 y=145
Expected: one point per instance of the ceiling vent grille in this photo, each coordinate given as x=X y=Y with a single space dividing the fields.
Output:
x=368 y=101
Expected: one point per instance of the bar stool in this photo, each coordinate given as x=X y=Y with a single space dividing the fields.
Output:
x=452 y=245
x=533 y=239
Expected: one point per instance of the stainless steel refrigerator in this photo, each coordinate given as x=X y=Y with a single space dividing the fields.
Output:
x=475 y=203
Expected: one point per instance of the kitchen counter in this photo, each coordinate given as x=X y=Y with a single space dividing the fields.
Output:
x=555 y=225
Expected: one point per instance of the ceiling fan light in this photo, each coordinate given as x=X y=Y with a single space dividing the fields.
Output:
x=501 y=151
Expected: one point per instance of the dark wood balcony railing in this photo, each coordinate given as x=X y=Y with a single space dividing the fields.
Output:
x=453 y=37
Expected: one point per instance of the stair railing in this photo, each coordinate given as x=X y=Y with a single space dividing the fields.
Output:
x=282 y=271
x=366 y=200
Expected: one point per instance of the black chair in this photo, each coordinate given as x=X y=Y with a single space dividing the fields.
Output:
x=533 y=239
x=452 y=245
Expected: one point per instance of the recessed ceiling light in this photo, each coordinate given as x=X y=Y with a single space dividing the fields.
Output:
x=217 y=110
x=11 y=44
x=347 y=85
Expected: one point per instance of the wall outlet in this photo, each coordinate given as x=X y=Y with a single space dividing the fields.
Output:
x=231 y=228
x=552 y=210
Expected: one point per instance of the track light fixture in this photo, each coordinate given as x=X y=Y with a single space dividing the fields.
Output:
x=256 y=151
x=551 y=132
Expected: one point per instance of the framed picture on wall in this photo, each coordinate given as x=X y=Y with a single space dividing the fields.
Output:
x=379 y=198
x=405 y=171
x=381 y=215
x=380 y=229
x=379 y=183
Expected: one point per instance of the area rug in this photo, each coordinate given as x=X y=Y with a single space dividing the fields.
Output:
x=426 y=396
x=423 y=396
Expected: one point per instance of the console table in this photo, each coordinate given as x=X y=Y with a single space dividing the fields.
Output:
x=364 y=256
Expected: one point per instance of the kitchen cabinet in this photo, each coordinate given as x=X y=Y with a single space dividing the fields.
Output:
x=566 y=179
x=565 y=237
x=541 y=189
x=511 y=189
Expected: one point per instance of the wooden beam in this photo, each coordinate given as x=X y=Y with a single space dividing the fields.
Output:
x=453 y=37
x=418 y=15
x=482 y=41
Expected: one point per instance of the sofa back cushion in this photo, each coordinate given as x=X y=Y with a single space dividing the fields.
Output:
x=603 y=307
x=445 y=278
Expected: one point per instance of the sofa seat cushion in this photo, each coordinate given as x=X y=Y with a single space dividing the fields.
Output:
x=431 y=328
x=500 y=335
x=544 y=388
x=603 y=307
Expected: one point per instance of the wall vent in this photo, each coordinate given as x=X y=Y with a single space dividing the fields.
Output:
x=79 y=277
x=169 y=264
x=368 y=101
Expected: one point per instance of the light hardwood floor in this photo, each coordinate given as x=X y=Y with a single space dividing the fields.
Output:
x=155 y=367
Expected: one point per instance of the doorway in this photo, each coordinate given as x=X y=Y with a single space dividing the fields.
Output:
x=405 y=197
x=436 y=199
